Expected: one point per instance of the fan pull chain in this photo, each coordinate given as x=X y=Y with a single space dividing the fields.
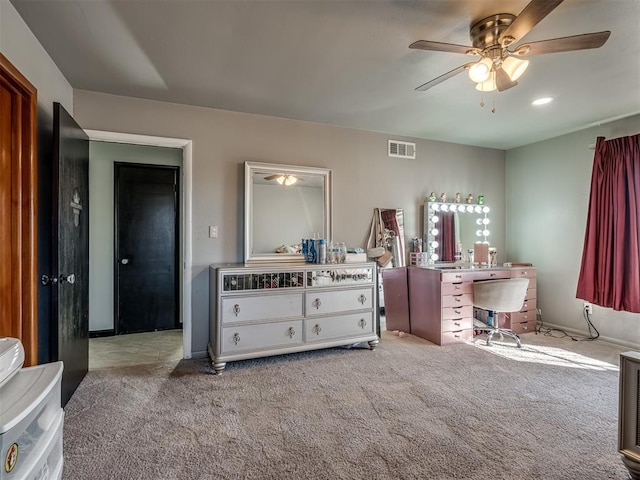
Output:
x=493 y=101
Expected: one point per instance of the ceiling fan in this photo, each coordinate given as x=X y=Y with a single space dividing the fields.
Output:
x=284 y=179
x=499 y=66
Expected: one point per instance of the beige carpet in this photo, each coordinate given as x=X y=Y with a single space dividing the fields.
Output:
x=408 y=410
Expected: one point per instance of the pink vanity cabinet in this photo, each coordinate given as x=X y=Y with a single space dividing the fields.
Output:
x=441 y=302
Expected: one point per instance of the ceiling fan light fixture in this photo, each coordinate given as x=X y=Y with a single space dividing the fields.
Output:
x=489 y=85
x=480 y=71
x=290 y=180
x=514 y=67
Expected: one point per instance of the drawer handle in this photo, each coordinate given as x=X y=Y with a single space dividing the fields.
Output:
x=457 y=299
x=291 y=332
x=236 y=309
x=362 y=299
x=236 y=338
x=456 y=336
x=458 y=276
x=316 y=303
x=457 y=324
x=316 y=329
x=362 y=323
x=492 y=274
x=457 y=287
x=457 y=311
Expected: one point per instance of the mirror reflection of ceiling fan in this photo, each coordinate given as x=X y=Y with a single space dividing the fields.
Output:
x=284 y=179
x=500 y=66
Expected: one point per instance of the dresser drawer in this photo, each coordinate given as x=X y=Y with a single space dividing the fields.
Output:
x=459 y=336
x=324 y=302
x=524 y=273
x=456 y=288
x=523 y=316
x=467 y=276
x=523 y=327
x=529 y=304
x=456 y=324
x=321 y=329
x=457 y=300
x=263 y=336
x=449 y=313
x=531 y=293
x=261 y=307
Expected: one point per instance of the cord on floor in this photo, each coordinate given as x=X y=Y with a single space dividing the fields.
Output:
x=549 y=331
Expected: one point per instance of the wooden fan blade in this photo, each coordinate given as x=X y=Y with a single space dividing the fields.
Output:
x=503 y=82
x=564 y=44
x=442 y=78
x=273 y=177
x=532 y=14
x=441 y=47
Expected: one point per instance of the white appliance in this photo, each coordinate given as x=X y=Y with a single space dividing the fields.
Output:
x=31 y=417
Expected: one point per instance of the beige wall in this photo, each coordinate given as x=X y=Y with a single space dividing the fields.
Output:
x=548 y=186
x=364 y=177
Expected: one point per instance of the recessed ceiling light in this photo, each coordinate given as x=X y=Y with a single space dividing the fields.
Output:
x=542 y=101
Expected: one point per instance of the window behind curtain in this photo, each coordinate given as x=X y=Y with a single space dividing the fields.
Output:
x=610 y=270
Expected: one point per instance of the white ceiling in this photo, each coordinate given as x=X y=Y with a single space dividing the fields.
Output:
x=345 y=62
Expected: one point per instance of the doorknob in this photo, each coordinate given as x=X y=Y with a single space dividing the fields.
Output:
x=71 y=278
x=124 y=261
x=47 y=280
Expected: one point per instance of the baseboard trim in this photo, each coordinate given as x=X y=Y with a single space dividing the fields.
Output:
x=611 y=341
x=102 y=333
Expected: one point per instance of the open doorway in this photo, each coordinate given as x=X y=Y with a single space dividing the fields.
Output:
x=106 y=347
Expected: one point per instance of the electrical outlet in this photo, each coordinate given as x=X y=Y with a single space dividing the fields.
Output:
x=539 y=311
x=588 y=308
x=213 y=231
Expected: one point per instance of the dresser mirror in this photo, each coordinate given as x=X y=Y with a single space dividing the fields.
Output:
x=282 y=205
x=451 y=230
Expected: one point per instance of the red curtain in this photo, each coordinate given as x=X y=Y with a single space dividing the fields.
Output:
x=447 y=237
x=610 y=271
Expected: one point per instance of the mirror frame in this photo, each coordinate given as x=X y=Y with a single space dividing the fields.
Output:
x=251 y=168
x=481 y=210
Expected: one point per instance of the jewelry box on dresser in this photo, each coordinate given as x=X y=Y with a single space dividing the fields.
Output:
x=259 y=311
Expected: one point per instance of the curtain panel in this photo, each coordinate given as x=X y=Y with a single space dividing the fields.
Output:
x=610 y=270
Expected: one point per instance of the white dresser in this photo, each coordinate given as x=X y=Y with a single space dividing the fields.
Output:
x=273 y=310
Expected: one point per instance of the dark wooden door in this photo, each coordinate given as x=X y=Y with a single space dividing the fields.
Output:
x=71 y=250
x=146 y=248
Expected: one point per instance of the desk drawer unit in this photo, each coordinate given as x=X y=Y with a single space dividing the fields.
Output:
x=524 y=321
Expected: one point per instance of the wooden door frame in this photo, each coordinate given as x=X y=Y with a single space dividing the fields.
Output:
x=23 y=321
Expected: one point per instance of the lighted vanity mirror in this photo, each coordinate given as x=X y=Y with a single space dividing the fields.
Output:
x=282 y=205
x=451 y=230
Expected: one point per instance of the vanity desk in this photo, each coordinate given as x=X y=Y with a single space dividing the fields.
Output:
x=259 y=311
x=441 y=302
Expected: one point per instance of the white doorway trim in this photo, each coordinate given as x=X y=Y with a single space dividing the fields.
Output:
x=187 y=185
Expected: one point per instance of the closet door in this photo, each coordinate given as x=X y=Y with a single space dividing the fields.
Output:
x=18 y=283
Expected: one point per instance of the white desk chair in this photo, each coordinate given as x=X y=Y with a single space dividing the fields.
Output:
x=500 y=296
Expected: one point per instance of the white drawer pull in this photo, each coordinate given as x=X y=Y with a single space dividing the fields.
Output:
x=362 y=299
x=362 y=323
x=457 y=287
x=236 y=309
x=316 y=303
x=291 y=332
x=236 y=338
x=316 y=329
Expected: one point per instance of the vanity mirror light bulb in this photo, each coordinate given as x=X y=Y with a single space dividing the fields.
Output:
x=470 y=208
x=435 y=219
x=478 y=221
x=434 y=244
x=479 y=233
x=453 y=208
x=478 y=209
x=435 y=207
x=485 y=209
x=445 y=207
x=435 y=232
x=485 y=221
x=485 y=233
x=434 y=256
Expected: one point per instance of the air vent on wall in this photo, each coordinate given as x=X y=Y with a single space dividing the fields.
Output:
x=402 y=149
